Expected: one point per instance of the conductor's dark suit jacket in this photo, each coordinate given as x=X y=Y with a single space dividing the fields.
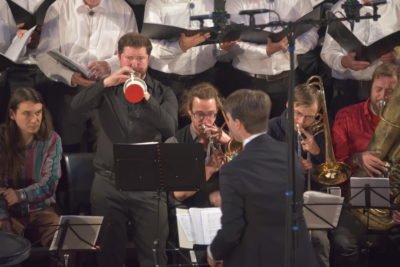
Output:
x=253 y=189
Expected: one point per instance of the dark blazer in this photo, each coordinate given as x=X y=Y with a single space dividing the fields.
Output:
x=253 y=189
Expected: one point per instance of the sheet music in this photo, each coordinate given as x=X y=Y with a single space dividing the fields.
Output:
x=195 y=218
x=185 y=230
x=197 y=225
x=211 y=221
x=69 y=63
x=379 y=186
x=325 y=209
x=18 y=44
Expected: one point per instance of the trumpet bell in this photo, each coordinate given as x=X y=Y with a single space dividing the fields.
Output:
x=134 y=89
x=332 y=173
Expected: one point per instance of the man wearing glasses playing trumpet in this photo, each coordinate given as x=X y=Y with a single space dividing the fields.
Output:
x=201 y=103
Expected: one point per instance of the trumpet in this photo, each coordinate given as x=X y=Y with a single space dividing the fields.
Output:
x=134 y=89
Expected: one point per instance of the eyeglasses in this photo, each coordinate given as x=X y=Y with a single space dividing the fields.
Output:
x=201 y=115
x=306 y=117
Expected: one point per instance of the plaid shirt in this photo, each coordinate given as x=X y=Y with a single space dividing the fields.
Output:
x=39 y=182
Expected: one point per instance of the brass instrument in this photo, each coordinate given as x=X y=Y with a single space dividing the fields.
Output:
x=330 y=172
x=233 y=147
x=230 y=150
x=134 y=89
x=386 y=140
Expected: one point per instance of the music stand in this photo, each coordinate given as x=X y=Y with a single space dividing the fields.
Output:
x=159 y=167
x=75 y=233
x=321 y=210
x=370 y=192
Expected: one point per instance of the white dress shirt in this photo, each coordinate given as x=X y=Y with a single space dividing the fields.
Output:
x=367 y=31
x=8 y=29
x=167 y=56
x=253 y=58
x=82 y=34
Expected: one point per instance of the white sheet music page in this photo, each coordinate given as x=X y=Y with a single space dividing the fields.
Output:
x=211 y=221
x=195 y=218
x=324 y=205
x=17 y=45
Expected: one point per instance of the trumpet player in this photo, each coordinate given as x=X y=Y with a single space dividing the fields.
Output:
x=307 y=103
x=201 y=103
x=353 y=129
x=154 y=118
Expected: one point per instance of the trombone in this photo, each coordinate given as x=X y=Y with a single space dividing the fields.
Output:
x=331 y=172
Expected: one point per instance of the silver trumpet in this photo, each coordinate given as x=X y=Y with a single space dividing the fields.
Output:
x=134 y=89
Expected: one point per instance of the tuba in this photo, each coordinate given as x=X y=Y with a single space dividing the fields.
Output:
x=134 y=89
x=386 y=139
x=331 y=172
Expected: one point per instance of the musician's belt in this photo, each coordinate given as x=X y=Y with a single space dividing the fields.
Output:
x=279 y=76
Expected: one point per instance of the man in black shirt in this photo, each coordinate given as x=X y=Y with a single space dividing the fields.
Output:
x=152 y=119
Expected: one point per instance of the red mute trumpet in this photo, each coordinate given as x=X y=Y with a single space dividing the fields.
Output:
x=134 y=89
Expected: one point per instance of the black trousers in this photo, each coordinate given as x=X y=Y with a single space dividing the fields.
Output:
x=147 y=214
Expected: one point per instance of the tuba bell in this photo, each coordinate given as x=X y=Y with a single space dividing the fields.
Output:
x=386 y=140
x=134 y=89
x=331 y=172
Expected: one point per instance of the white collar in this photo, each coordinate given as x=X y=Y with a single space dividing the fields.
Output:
x=248 y=139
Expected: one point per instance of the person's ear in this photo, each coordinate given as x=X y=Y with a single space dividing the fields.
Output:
x=11 y=114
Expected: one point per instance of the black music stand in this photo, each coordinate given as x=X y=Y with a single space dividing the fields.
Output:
x=159 y=167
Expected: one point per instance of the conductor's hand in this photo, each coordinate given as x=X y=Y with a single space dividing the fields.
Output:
x=118 y=77
x=349 y=62
x=273 y=47
x=99 y=69
x=388 y=57
x=77 y=79
x=369 y=162
x=187 y=42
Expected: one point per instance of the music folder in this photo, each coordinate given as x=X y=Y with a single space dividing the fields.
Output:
x=159 y=167
x=69 y=63
x=172 y=33
x=23 y=16
x=260 y=36
x=14 y=51
x=349 y=42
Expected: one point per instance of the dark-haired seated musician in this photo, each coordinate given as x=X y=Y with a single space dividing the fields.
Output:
x=307 y=103
x=30 y=153
x=154 y=118
x=253 y=187
x=353 y=129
